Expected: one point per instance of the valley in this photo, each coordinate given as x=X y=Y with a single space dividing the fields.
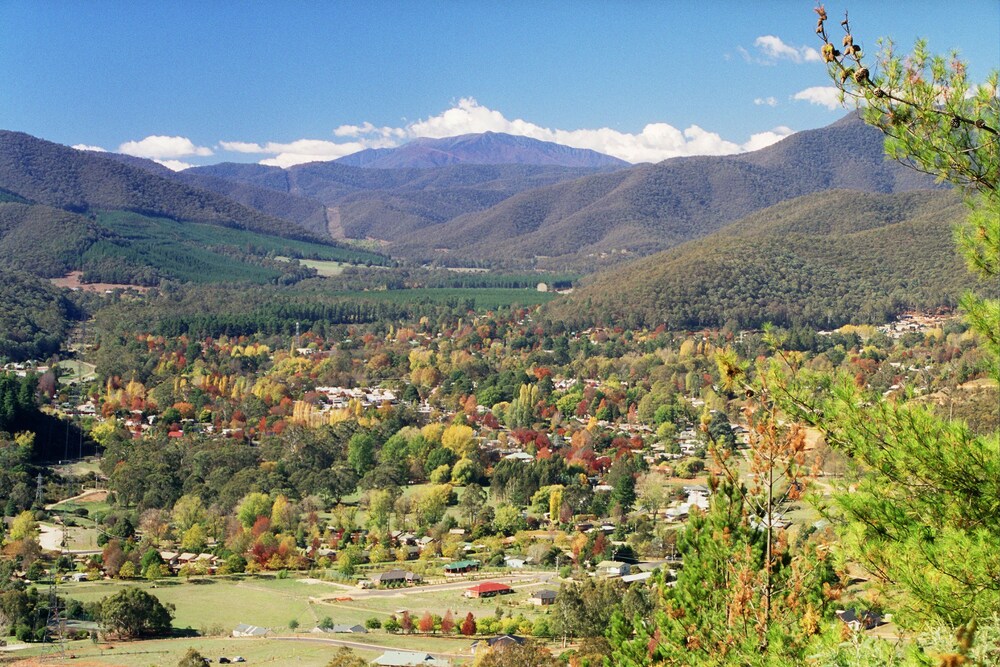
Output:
x=490 y=400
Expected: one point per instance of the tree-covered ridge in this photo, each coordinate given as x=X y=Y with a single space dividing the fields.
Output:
x=610 y=217
x=81 y=181
x=151 y=249
x=823 y=260
x=130 y=248
x=45 y=241
x=307 y=213
x=390 y=203
x=34 y=316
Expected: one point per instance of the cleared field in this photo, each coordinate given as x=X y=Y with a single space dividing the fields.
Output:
x=324 y=268
x=267 y=601
x=217 y=605
x=168 y=652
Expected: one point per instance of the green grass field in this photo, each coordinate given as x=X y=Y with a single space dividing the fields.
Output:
x=324 y=268
x=216 y=605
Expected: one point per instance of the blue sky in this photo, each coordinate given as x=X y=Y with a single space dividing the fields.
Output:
x=286 y=82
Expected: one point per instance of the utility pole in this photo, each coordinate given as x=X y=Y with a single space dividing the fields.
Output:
x=56 y=624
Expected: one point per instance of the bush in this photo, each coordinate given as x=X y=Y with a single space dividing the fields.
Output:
x=373 y=623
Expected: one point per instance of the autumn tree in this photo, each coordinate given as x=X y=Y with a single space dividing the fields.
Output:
x=468 y=626
x=447 y=622
x=426 y=622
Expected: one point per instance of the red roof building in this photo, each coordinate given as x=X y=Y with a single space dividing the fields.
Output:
x=487 y=589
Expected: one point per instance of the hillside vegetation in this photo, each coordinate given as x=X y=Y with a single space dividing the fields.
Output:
x=387 y=204
x=79 y=181
x=34 y=316
x=606 y=218
x=824 y=260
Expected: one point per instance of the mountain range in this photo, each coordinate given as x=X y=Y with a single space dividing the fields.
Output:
x=135 y=220
x=565 y=217
x=483 y=148
x=606 y=218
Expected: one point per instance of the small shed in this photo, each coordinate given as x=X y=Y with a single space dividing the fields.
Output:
x=247 y=630
x=543 y=597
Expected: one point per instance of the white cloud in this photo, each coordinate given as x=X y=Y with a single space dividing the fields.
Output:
x=241 y=147
x=764 y=139
x=766 y=101
x=826 y=96
x=775 y=49
x=163 y=148
x=175 y=165
x=85 y=147
x=656 y=141
x=307 y=150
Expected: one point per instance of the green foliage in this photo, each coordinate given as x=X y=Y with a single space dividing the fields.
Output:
x=161 y=248
x=34 y=317
x=585 y=609
x=132 y=612
x=345 y=657
x=821 y=260
x=82 y=181
x=924 y=518
x=191 y=659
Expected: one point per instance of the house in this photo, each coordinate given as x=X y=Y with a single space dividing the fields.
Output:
x=613 y=568
x=461 y=566
x=498 y=643
x=245 y=630
x=487 y=589
x=543 y=597
x=395 y=578
x=343 y=628
x=516 y=562
x=860 y=620
x=408 y=659
x=639 y=576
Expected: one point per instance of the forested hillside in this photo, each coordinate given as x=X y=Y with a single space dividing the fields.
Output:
x=47 y=173
x=304 y=212
x=389 y=203
x=34 y=316
x=822 y=260
x=43 y=240
x=607 y=217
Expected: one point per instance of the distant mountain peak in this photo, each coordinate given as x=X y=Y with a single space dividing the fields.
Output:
x=480 y=148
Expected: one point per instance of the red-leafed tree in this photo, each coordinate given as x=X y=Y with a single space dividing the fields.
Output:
x=426 y=622
x=447 y=623
x=469 y=625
